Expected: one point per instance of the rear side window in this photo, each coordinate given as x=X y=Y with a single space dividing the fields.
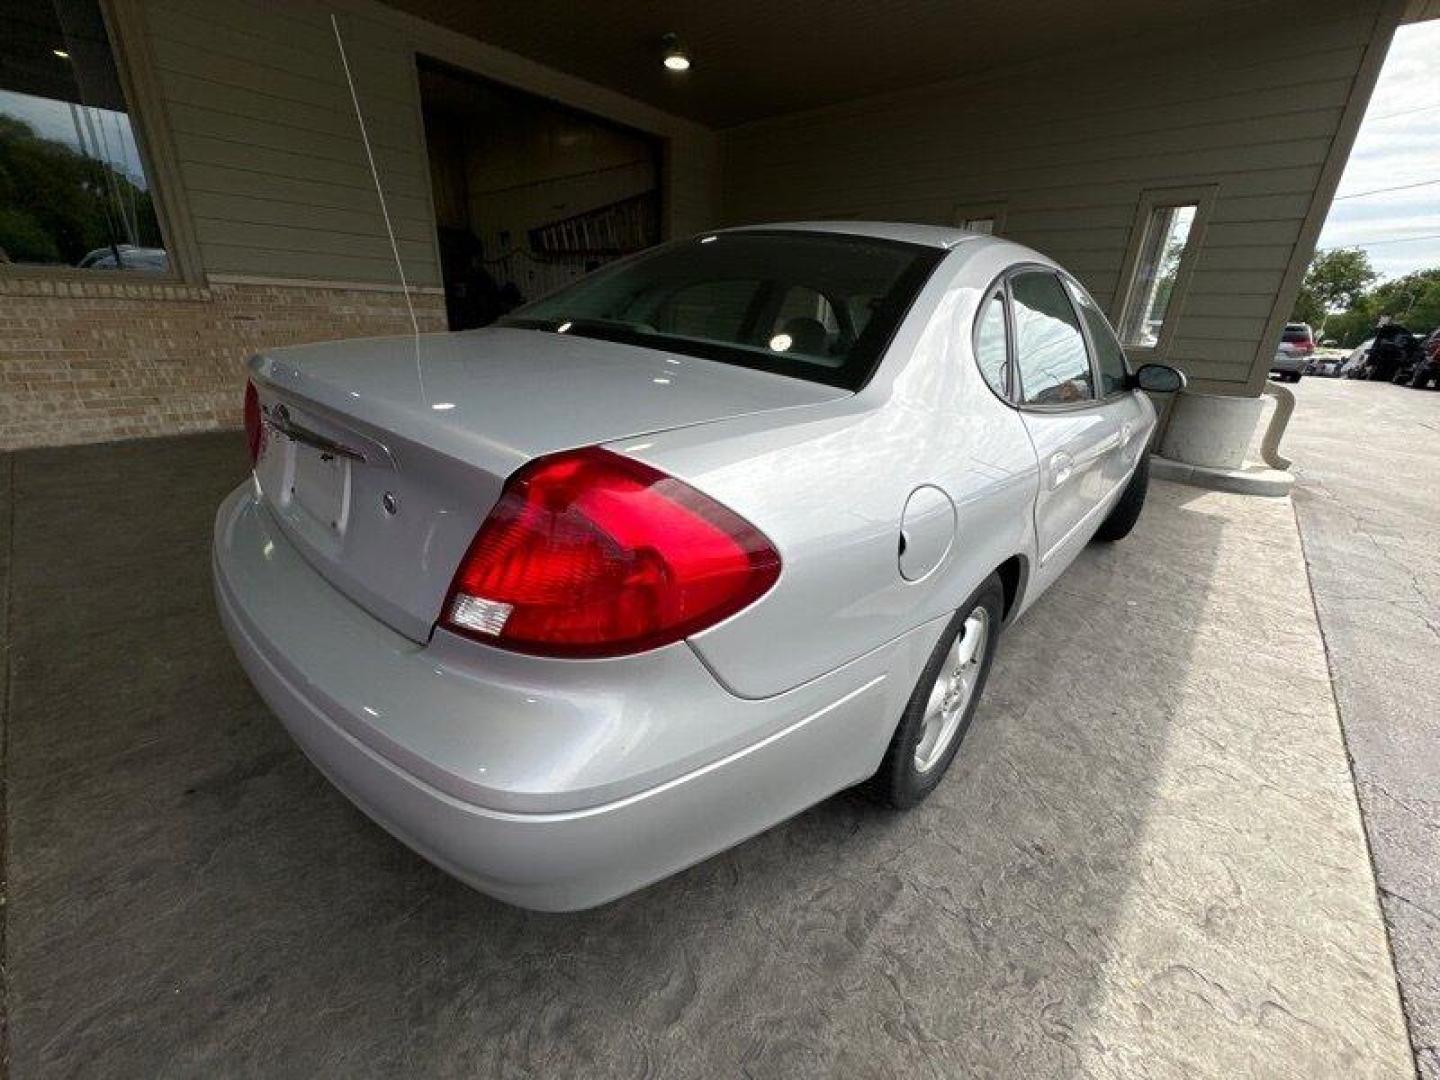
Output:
x=1109 y=356
x=991 y=353
x=1049 y=347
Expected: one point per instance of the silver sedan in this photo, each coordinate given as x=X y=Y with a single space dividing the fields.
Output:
x=573 y=602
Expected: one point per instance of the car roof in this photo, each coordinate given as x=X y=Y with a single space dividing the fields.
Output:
x=936 y=236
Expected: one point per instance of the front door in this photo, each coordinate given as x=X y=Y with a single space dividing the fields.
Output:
x=1125 y=406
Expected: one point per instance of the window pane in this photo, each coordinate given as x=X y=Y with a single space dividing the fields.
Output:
x=990 y=351
x=1108 y=353
x=817 y=306
x=73 y=191
x=1049 y=347
x=712 y=310
x=1166 y=234
x=806 y=324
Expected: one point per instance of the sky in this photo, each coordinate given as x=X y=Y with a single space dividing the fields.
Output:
x=1398 y=144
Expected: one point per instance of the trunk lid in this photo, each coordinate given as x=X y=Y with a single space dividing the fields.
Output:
x=382 y=456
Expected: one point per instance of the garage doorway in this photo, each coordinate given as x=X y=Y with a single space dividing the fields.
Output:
x=529 y=195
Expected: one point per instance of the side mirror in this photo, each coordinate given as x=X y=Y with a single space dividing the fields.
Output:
x=1159 y=378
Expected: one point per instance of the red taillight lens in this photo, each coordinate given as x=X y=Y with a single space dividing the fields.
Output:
x=254 y=427
x=588 y=553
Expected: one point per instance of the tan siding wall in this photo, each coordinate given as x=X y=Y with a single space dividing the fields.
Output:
x=269 y=151
x=1070 y=144
x=275 y=177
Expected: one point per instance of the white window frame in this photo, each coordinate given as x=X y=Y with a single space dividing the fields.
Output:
x=1151 y=199
x=993 y=212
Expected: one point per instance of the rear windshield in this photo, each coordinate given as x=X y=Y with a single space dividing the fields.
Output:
x=814 y=306
x=1294 y=336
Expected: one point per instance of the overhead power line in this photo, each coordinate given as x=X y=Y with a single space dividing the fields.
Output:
x=1382 y=190
x=1374 y=243
x=1404 y=112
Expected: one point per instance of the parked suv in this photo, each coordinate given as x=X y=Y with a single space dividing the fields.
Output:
x=1296 y=345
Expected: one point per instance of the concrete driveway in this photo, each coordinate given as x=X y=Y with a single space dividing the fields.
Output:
x=1148 y=860
x=1368 y=501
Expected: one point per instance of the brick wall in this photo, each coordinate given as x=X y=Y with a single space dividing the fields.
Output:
x=91 y=361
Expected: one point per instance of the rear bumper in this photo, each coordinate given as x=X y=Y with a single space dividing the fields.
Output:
x=479 y=770
x=1288 y=363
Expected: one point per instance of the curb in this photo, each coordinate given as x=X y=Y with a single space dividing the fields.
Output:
x=1246 y=480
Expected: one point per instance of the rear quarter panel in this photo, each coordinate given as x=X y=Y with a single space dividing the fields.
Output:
x=828 y=484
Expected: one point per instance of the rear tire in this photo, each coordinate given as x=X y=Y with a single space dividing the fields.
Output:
x=1126 y=512
x=938 y=714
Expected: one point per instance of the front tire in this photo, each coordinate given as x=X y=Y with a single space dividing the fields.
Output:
x=938 y=714
x=1126 y=512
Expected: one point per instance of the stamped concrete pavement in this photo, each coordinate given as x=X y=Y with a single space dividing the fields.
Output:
x=1147 y=861
x=1367 y=458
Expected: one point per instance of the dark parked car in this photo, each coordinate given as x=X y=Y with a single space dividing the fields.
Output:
x=1423 y=368
x=1395 y=347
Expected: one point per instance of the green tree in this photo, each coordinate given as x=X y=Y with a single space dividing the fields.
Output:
x=1412 y=300
x=56 y=205
x=1335 y=281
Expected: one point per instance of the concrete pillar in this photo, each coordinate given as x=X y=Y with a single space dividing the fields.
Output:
x=1211 y=430
x=1206 y=442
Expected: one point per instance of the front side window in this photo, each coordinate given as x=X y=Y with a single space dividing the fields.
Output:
x=73 y=188
x=1049 y=346
x=1109 y=356
x=1152 y=286
x=815 y=306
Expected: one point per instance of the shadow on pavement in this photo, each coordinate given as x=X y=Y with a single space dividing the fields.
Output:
x=188 y=895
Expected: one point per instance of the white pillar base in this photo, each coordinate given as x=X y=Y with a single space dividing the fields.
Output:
x=1210 y=430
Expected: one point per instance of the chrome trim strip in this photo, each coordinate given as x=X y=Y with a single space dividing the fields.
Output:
x=278 y=420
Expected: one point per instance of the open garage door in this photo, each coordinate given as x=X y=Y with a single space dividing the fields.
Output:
x=529 y=194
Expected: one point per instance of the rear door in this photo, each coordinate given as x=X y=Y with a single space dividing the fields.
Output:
x=1073 y=433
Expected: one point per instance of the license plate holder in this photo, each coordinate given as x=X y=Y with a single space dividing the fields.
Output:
x=320 y=486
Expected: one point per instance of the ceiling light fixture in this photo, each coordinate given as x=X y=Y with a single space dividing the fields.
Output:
x=61 y=53
x=676 y=58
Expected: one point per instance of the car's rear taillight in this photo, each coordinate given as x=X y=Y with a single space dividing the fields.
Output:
x=254 y=426
x=589 y=553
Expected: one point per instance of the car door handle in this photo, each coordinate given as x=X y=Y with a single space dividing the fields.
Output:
x=1062 y=467
x=1127 y=432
